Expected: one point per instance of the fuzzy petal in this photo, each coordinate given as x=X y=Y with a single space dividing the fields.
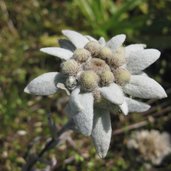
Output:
x=102 y=41
x=140 y=60
x=74 y=102
x=136 y=106
x=66 y=44
x=143 y=74
x=73 y=106
x=133 y=48
x=81 y=105
x=45 y=84
x=113 y=93
x=124 y=107
x=144 y=87
x=116 y=41
x=58 y=52
x=90 y=38
x=76 y=38
x=63 y=87
x=101 y=133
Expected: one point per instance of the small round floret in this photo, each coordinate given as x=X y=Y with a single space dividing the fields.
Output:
x=81 y=55
x=118 y=58
x=105 y=53
x=106 y=78
x=71 y=82
x=97 y=65
x=70 y=67
x=93 y=47
x=122 y=76
x=88 y=81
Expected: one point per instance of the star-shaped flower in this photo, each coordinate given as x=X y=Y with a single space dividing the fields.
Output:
x=100 y=77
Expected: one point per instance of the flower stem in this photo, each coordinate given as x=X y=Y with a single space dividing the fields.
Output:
x=32 y=160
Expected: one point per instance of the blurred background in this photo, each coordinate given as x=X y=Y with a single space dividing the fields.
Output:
x=25 y=27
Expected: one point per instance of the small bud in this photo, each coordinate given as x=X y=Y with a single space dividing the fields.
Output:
x=70 y=67
x=105 y=53
x=89 y=81
x=118 y=58
x=97 y=65
x=122 y=76
x=106 y=78
x=81 y=55
x=71 y=82
x=93 y=47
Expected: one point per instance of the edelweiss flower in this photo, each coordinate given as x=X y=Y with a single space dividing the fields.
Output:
x=102 y=77
x=152 y=145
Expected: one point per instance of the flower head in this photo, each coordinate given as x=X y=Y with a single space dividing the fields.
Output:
x=102 y=77
x=152 y=145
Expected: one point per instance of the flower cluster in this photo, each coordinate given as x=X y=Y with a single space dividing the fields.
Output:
x=152 y=145
x=95 y=66
x=100 y=77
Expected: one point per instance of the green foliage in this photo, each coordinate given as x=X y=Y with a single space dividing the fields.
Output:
x=139 y=19
x=106 y=17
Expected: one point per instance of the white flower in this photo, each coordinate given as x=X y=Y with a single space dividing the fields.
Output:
x=152 y=145
x=101 y=77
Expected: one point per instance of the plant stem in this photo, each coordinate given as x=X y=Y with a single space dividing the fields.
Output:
x=32 y=160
